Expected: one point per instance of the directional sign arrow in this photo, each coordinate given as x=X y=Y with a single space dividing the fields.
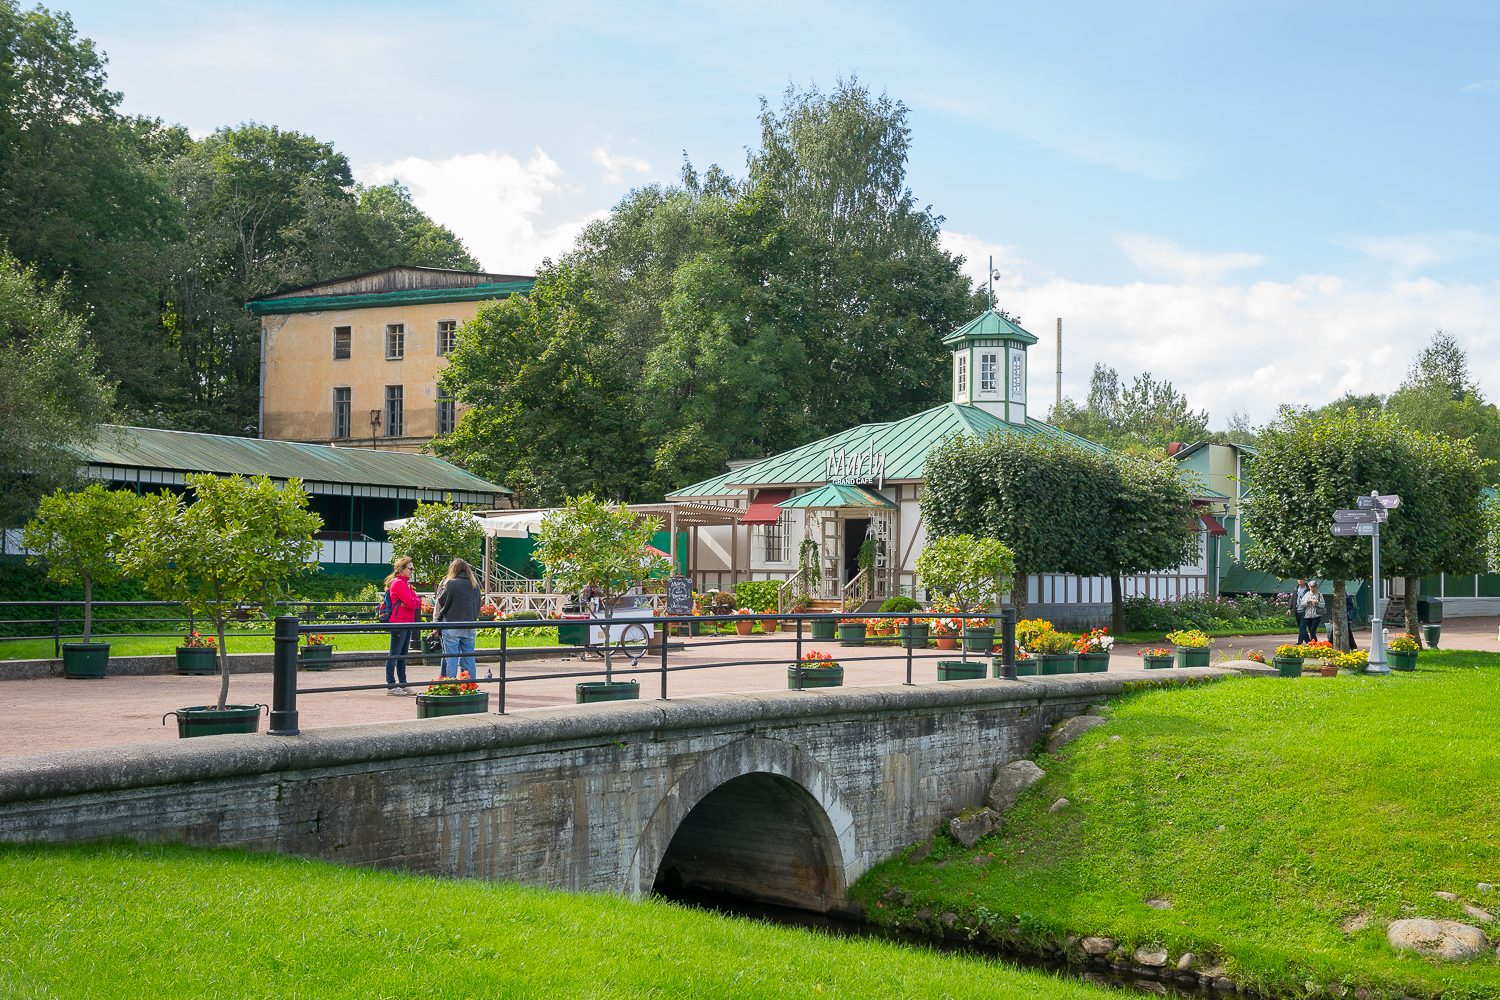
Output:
x=1388 y=502
x=1344 y=529
x=1354 y=516
x=1367 y=529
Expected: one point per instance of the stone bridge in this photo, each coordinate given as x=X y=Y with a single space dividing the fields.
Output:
x=783 y=796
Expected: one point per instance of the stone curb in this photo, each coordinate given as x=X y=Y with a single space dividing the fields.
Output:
x=31 y=777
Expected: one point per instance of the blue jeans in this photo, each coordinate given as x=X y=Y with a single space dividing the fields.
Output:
x=395 y=669
x=1301 y=630
x=458 y=651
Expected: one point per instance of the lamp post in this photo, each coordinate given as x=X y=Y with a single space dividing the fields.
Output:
x=374 y=425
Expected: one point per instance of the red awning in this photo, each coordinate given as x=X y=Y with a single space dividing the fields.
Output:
x=763 y=507
x=1212 y=523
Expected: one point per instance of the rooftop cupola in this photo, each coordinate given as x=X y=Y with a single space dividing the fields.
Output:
x=989 y=365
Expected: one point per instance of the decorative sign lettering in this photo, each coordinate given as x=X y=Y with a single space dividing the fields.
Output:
x=1388 y=502
x=857 y=468
x=679 y=595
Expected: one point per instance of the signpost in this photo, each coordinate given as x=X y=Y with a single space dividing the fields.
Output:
x=1373 y=510
x=679 y=596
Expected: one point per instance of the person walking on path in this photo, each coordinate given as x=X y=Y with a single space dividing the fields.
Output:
x=1312 y=610
x=458 y=600
x=404 y=607
x=1297 y=596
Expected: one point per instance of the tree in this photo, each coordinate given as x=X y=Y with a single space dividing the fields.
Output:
x=1145 y=416
x=51 y=399
x=1439 y=397
x=972 y=572
x=1147 y=522
x=590 y=541
x=434 y=536
x=238 y=541
x=80 y=538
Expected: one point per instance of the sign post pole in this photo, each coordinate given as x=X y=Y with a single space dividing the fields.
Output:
x=1373 y=509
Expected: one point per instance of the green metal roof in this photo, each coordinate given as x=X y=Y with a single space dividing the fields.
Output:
x=1241 y=579
x=185 y=451
x=834 y=495
x=329 y=303
x=905 y=444
x=989 y=325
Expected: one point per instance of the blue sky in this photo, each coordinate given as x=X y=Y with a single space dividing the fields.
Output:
x=1263 y=202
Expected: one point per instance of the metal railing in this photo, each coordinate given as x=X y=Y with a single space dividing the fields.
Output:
x=797 y=585
x=283 y=717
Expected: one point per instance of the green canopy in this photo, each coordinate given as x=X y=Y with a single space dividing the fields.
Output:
x=832 y=496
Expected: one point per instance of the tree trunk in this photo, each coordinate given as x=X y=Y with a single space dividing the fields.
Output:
x=88 y=608
x=1117 y=610
x=609 y=613
x=1018 y=593
x=1410 y=602
x=1340 y=615
x=223 y=659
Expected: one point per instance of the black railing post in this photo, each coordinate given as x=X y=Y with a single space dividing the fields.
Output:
x=911 y=627
x=665 y=633
x=504 y=635
x=799 y=654
x=56 y=631
x=1008 y=643
x=284 y=678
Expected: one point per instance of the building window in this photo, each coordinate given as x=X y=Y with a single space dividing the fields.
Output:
x=963 y=375
x=447 y=337
x=778 y=539
x=395 y=341
x=445 y=416
x=989 y=372
x=395 y=418
x=341 y=405
x=341 y=340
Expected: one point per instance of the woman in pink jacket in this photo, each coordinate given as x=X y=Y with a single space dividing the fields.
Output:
x=404 y=607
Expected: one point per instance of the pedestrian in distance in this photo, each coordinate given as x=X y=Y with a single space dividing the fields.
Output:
x=458 y=600
x=1297 y=596
x=404 y=605
x=1312 y=610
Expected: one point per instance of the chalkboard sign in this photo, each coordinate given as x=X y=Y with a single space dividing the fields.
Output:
x=679 y=596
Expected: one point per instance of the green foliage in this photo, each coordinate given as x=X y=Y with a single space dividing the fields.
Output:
x=1210 y=613
x=51 y=398
x=238 y=541
x=590 y=541
x=80 y=538
x=757 y=595
x=434 y=536
x=1142 y=418
x=898 y=604
x=1441 y=398
x=973 y=573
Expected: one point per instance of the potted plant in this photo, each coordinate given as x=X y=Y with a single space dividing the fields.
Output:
x=1289 y=660
x=1055 y=650
x=960 y=670
x=197 y=655
x=1158 y=658
x=745 y=625
x=80 y=537
x=824 y=628
x=945 y=632
x=1324 y=652
x=433 y=536
x=1028 y=630
x=1402 y=652
x=457 y=697
x=852 y=631
x=1353 y=661
x=1192 y=647
x=818 y=670
x=800 y=604
x=968 y=571
x=314 y=652
x=590 y=541
x=488 y=612
x=1093 y=651
x=238 y=541
x=1027 y=664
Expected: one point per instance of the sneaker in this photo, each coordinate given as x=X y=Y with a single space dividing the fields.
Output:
x=394 y=691
x=408 y=692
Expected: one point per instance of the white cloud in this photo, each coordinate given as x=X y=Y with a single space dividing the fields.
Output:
x=1165 y=258
x=494 y=202
x=1416 y=250
x=614 y=166
x=1251 y=346
x=1484 y=86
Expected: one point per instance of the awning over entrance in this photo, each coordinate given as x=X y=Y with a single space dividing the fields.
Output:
x=832 y=496
x=763 y=509
x=1211 y=523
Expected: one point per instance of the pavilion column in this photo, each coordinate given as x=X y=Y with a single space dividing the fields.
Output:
x=672 y=540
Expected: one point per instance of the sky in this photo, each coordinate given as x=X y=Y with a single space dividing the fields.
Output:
x=1263 y=203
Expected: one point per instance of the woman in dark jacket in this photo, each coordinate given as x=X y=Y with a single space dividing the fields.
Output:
x=458 y=600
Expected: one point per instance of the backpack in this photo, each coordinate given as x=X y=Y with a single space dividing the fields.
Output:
x=387 y=608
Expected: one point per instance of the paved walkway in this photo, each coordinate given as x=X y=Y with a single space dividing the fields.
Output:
x=56 y=714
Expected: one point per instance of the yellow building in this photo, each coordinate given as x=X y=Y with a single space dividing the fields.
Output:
x=354 y=362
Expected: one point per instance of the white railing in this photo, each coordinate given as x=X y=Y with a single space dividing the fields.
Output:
x=856 y=591
x=796 y=585
x=504 y=580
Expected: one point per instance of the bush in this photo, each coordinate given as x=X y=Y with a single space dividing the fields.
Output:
x=896 y=605
x=757 y=595
x=1202 y=611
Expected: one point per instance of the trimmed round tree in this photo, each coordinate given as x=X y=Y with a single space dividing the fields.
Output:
x=434 y=536
x=237 y=542
x=80 y=537
x=974 y=573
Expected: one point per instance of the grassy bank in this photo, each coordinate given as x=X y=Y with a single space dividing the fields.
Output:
x=1285 y=822
x=235 y=642
x=126 y=920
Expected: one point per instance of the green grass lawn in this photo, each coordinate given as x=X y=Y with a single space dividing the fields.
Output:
x=235 y=642
x=1271 y=813
x=118 y=920
x=1222 y=634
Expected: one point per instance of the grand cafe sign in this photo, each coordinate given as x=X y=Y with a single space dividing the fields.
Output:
x=856 y=468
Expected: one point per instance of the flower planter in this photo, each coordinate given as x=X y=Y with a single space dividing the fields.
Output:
x=85 y=660
x=207 y=720
x=591 y=691
x=1288 y=666
x=1401 y=659
x=1432 y=633
x=1024 y=668
x=823 y=628
x=885 y=631
x=744 y=627
x=195 y=661
x=851 y=635
x=1093 y=663
x=946 y=641
x=913 y=636
x=815 y=677
x=1158 y=662
x=319 y=657
x=979 y=640
x=1058 y=663
x=431 y=706
x=768 y=624
x=1328 y=670
x=960 y=670
x=1192 y=656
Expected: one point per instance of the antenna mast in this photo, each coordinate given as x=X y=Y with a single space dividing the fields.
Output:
x=1059 y=361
